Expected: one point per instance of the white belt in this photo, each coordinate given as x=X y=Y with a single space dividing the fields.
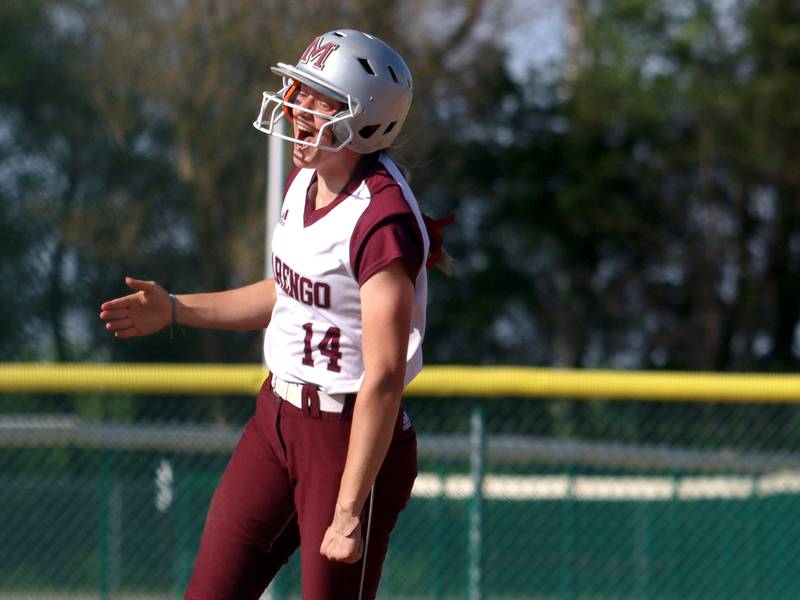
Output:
x=293 y=394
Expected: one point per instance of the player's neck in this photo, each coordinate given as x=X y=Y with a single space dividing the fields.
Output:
x=333 y=177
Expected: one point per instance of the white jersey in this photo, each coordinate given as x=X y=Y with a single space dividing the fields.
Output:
x=315 y=334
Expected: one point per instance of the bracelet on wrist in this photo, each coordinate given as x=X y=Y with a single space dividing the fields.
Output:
x=173 y=320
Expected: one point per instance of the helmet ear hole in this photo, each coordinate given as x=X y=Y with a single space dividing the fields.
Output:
x=367 y=131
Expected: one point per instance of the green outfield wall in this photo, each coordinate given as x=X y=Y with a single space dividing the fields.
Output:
x=105 y=478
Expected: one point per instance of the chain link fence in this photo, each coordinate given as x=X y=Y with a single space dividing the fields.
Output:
x=104 y=496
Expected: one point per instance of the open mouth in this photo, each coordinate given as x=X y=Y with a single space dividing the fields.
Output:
x=304 y=134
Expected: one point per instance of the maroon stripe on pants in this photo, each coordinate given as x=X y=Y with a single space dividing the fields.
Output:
x=279 y=491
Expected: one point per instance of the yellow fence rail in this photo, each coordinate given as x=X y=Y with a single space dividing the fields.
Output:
x=476 y=381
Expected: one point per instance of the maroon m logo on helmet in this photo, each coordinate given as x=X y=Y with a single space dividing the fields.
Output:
x=317 y=53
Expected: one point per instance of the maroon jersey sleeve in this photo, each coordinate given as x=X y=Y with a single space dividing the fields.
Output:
x=386 y=231
x=393 y=239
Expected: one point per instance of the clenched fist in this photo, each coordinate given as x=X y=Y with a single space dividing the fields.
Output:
x=343 y=541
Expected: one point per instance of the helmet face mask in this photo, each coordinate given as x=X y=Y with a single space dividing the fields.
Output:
x=360 y=71
x=280 y=105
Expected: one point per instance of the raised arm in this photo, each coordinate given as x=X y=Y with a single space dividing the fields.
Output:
x=149 y=309
x=386 y=304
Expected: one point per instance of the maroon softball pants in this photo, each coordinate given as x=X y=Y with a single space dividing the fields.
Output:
x=278 y=493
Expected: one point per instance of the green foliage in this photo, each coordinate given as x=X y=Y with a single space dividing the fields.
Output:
x=637 y=210
x=642 y=214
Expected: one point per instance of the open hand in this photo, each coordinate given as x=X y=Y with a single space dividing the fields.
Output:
x=144 y=312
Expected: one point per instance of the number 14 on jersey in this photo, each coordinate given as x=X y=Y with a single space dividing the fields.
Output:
x=328 y=347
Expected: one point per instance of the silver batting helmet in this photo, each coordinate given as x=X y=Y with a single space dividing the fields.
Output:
x=356 y=68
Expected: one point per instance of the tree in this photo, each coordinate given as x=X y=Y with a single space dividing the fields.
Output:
x=632 y=228
x=187 y=87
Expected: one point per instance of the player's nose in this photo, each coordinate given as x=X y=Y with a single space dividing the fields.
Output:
x=306 y=101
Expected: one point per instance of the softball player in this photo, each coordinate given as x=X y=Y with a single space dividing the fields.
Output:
x=328 y=460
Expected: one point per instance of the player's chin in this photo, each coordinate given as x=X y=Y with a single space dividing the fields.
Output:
x=307 y=156
x=302 y=156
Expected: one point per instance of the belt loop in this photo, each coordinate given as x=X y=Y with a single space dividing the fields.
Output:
x=347 y=409
x=310 y=401
x=269 y=384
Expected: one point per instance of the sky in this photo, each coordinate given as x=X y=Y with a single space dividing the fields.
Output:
x=535 y=35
